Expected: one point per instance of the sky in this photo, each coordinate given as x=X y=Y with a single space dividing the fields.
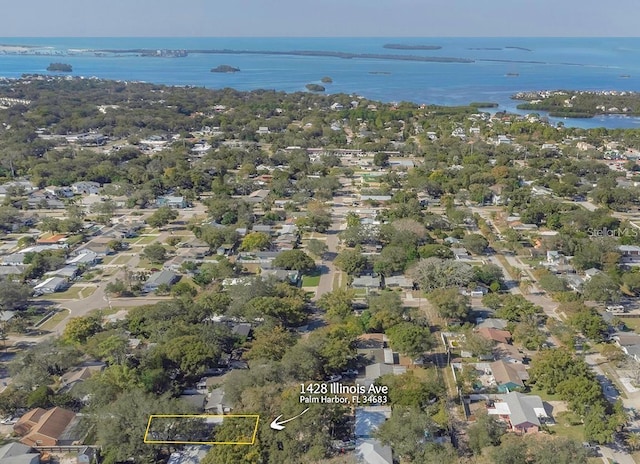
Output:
x=319 y=18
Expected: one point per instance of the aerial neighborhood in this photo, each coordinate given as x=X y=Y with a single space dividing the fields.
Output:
x=413 y=283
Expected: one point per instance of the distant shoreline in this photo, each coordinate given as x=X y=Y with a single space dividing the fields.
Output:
x=324 y=53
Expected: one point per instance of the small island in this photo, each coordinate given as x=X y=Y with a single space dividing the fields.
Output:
x=411 y=47
x=59 y=67
x=580 y=104
x=326 y=80
x=483 y=105
x=225 y=68
x=315 y=88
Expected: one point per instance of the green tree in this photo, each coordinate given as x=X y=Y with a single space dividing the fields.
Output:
x=475 y=243
x=317 y=248
x=254 y=241
x=13 y=295
x=270 y=343
x=602 y=288
x=350 y=261
x=410 y=339
x=155 y=253
x=433 y=273
x=485 y=431
x=338 y=303
x=294 y=259
x=190 y=354
x=449 y=303
x=104 y=211
x=117 y=287
x=477 y=344
x=162 y=216
x=79 y=329
x=385 y=310
x=516 y=308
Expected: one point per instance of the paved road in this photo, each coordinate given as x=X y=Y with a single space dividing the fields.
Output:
x=328 y=269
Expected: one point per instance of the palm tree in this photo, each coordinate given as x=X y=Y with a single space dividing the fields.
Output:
x=633 y=441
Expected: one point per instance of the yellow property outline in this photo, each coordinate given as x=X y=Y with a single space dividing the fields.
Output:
x=160 y=442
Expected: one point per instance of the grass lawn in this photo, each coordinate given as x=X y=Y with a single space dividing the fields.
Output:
x=632 y=322
x=72 y=293
x=311 y=280
x=544 y=395
x=146 y=264
x=109 y=259
x=564 y=429
x=146 y=240
x=54 y=320
x=119 y=260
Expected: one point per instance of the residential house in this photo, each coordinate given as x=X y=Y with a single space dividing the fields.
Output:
x=591 y=272
x=399 y=282
x=60 y=192
x=290 y=276
x=67 y=272
x=262 y=258
x=257 y=196
x=216 y=402
x=79 y=374
x=523 y=413
x=367 y=282
x=629 y=343
x=17 y=453
x=493 y=323
x=368 y=449
x=508 y=353
x=242 y=330
x=10 y=271
x=630 y=253
x=17 y=185
x=460 y=254
x=574 y=282
x=84 y=258
x=508 y=376
x=377 y=370
x=189 y=455
x=41 y=427
x=51 y=285
x=265 y=229
x=85 y=188
x=164 y=277
x=172 y=201
x=496 y=335
x=371 y=341
x=43 y=200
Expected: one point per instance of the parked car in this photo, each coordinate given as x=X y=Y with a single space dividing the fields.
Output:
x=334 y=378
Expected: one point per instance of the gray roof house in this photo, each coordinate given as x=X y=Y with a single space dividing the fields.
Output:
x=368 y=282
x=51 y=285
x=86 y=257
x=159 y=278
x=216 y=403
x=374 y=371
x=368 y=449
x=291 y=276
x=17 y=453
x=398 y=282
x=68 y=272
x=522 y=412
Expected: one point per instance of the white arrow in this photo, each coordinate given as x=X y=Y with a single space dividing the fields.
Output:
x=277 y=425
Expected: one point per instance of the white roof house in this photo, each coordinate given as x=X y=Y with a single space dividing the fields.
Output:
x=51 y=285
